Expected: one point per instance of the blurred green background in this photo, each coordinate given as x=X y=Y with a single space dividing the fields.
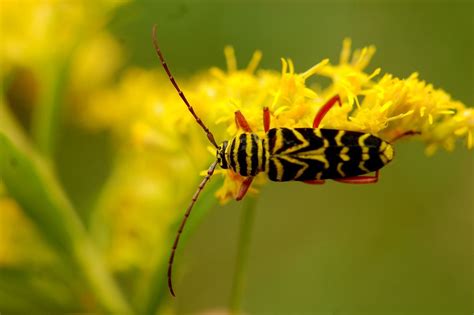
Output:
x=403 y=246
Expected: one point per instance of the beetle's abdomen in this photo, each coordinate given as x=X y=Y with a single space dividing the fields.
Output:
x=245 y=154
x=308 y=154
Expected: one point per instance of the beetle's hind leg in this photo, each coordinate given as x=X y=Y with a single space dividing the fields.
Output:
x=325 y=109
x=360 y=179
x=241 y=122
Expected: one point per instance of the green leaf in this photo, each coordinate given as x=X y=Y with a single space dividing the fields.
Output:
x=31 y=182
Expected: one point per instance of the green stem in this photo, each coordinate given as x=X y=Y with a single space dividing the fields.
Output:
x=154 y=290
x=239 y=282
x=46 y=116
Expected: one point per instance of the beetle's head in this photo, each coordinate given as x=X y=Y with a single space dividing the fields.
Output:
x=220 y=154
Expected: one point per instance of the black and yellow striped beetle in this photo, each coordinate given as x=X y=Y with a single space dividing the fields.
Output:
x=309 y=155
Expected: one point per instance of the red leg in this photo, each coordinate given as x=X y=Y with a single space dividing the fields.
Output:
x=244 y=188
x=360 y=179
x=314 y=182
x=266 y=119
x=241 y=122
x=323 y=111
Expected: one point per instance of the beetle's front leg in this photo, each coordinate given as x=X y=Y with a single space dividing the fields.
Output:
x=241 y=122
x=244 y=187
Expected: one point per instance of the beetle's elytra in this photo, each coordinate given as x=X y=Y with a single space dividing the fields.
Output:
x=304 y=154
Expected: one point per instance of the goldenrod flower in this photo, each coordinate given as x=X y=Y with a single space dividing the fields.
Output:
x=386 y=107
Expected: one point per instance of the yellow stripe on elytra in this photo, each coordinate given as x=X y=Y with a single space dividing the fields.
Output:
x=339 y=169
x=362 y=140
x=382 y=148
x=319 y=158
x=338 y=137
x=305 y=154
x=344 y=156
x=304 y=143
x=386 y=152
x=278 y=140
x=279 y=169
x=295 y=161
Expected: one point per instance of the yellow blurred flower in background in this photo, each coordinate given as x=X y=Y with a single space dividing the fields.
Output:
x=35 y=33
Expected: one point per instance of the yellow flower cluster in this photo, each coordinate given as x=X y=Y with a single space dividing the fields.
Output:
x=391 y=106
x=386 y=107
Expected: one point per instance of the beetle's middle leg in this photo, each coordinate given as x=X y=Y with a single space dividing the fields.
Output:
x=326 y=107
x=360 y=179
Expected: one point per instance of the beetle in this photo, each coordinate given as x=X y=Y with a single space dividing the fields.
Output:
x=308 y=155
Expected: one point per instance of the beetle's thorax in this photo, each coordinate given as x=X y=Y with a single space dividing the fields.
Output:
x=243 y=154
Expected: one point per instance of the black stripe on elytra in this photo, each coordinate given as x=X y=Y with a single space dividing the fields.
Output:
x=373 y=142
x=289 y=169
x=242 y=154
x=289 y=140
x=314 y=168
x=330 y=135
x=272 y=171
x=314 y=142
x=374 y=162
x=351 y=138
x=271 y=136
x=333 y=155
x=351 y=167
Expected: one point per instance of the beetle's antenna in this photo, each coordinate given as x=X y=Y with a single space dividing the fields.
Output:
x=210 y=136
x=210 y=171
